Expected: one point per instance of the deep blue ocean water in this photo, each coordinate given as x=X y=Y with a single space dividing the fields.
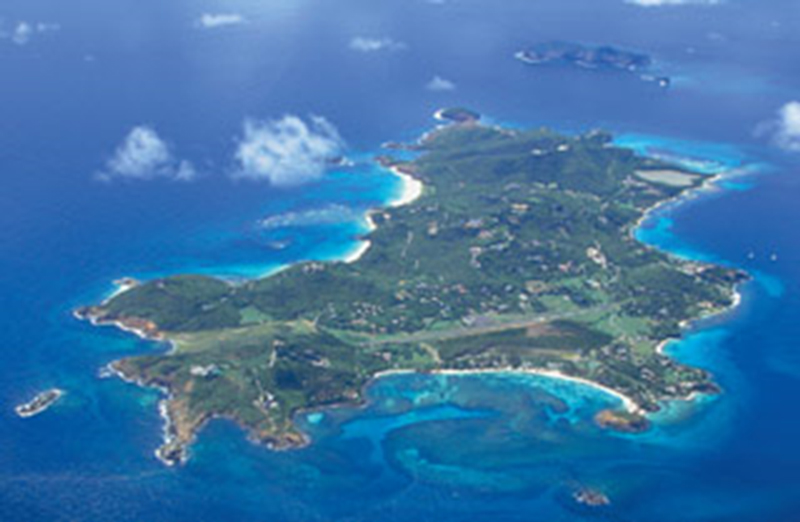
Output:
x=428 y=448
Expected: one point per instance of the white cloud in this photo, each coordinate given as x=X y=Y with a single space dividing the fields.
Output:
x=439 y=84
x=370 y=45
x=288 y=151
x=43 y=27
x=785 y=129
x=660 y=3
x=214 y=20
x=23 y=32
x=144 y=155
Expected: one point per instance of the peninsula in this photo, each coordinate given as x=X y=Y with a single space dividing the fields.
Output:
x=519 y=255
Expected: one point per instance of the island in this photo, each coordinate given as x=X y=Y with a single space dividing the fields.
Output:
x=591 y=57
x=591 y=497
x=40 y=403
x=457 y=115
x=519 y=255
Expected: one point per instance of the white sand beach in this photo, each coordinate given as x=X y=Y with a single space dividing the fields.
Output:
x=628 y=403
x=357 y=252
x=411 y=190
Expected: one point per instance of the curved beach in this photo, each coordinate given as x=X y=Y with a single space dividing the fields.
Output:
x=411 y=189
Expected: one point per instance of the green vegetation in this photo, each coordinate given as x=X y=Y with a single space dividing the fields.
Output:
x=519 y=255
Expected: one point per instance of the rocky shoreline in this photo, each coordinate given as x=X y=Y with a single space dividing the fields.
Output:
x=40 y=403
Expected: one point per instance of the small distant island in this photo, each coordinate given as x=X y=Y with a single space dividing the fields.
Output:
x=457 y=115
x=39 y=403
x=591 y=497
x=591 y=57
x=518 y=255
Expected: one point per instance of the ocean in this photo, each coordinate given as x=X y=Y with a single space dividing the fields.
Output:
x=488 y=447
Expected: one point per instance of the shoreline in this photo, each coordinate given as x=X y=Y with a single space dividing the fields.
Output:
x=121 y=285
x=141 y=333
x=686 y=326
x=168 y=435
x=411 y=190
x=357 y=252
x=40 y=403
x=628 y=404
x=710 y=184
